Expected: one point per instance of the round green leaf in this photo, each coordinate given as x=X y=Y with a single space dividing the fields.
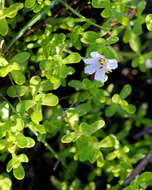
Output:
x=3 y=62
x=148 y=20
x=116 y=99
x=69 y=137
x=126 y=91
x=19 y=172
x=72 y=58
x=29 y=3
x=109 y=141
x=98 y=3
x=20 y=89
x=21 y=57
x=3 y=27
x=50 y=100
x=37 y=113
x=111 y=110
x=90 y=37
x=18 y=77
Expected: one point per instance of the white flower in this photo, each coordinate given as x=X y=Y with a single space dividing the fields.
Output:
x=98 y=64
x=148 y=63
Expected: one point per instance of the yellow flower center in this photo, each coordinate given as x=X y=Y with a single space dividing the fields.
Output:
x=102 y=62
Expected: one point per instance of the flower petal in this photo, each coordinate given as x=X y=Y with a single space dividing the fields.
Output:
x=148 y=63
x=111 y=64
x=95 y=54
x=92 y=68
x=100 y=74
x=90 y=60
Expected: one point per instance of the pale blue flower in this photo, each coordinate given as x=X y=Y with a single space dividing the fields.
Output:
x=98 y=64
x=148 y=63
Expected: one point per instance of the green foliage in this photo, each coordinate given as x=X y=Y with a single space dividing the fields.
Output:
x=46 y=96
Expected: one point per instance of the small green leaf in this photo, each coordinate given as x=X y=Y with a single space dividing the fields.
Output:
x=72 y=58
x=46 y=85
x=88 y=130
x=11 y=11
x=35 y=84
x=29 y=3
x=24 y=142
x=140 y=7
x=9 y=166
x=100 y=160
x=82 y=109
x=112 y=40
x=24 y=105
x=109 y=141
x=21 y=57
x=106 y=12
x=47 y=99
x=10 y=67
x=73 y=117
x=3 y=27
x=99 y=3
x=131 y=109
x=37 y=113
x=87 y=148
x=111 y=110
x=18 y=77
x=38 y=128
x=134 y=42
x=75 y=84
x=90 y=37
x=19 y=172
x=126 y=91
x=70 y=137
x=22 y=90
x=23 y=158
x=148 y=20
x=116 y=99
x=3 y=62
x=137 y=28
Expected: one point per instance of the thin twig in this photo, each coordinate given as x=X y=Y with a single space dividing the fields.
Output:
x=143 y=132
x=81 y=16
x=17 y=94
x=140 y=167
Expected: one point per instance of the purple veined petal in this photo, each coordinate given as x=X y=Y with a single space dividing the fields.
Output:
x=90 y=60
x=148 y=63
x=92 y=68
x=95 y=54
x=111 y=64
x=100 y=74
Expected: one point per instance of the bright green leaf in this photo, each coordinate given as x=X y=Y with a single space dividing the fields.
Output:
x=72 y=58
x=21 y=90
x=111 y=110
x=48 y=99
x=18 y=77
x=90 y=37
x=37 y=116
x=148 y=20
x=68 y=138
x=3 y=27
x=109 y=141
x=126 y=91
x=19 y=172
x=29 y=3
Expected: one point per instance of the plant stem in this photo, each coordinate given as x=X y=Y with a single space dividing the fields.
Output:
x=37 y=17
x=80 y=16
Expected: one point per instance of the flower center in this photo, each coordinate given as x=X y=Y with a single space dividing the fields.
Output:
x=102 y=62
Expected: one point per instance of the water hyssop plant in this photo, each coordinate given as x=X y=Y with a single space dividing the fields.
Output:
x=75 y=94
